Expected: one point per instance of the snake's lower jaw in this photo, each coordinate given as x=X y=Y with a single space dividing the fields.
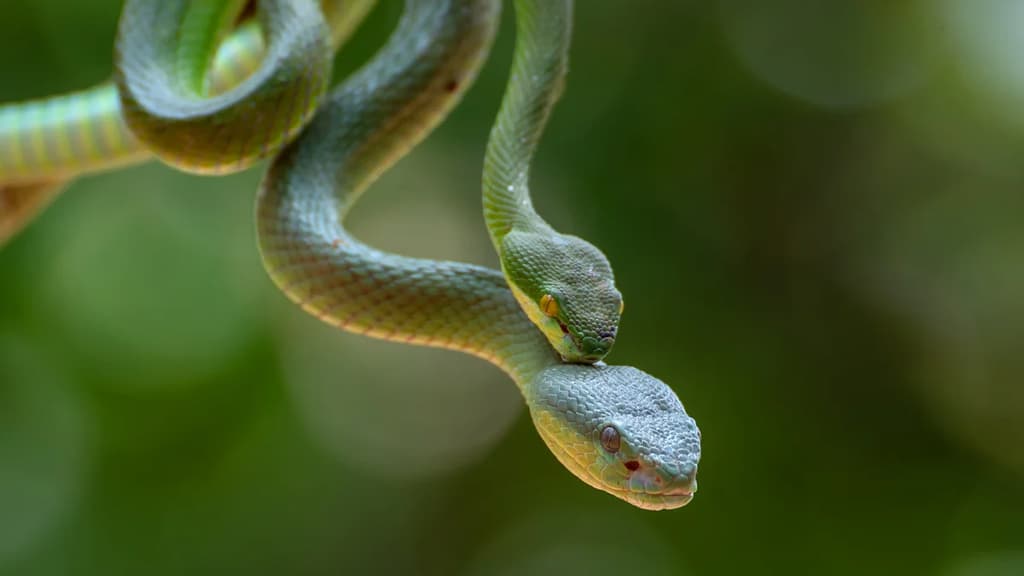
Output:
x=678 y=494
x=593 y=349
x=653 y=491
x=674 y=496
x=659 y=502
x=583 y=351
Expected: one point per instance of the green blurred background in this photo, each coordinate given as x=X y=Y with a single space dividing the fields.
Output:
x=814 y=210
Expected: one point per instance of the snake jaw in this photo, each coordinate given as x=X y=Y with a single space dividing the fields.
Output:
x=647 y=487
x=594 y=349
x=648 y=479
x=585 y=350
x=657 y=502
x=651 y=488
x=569 y=343
x=647 y=483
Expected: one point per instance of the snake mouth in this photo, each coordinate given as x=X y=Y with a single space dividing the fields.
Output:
x=586 y=351
x=666 y=500
x=648 y=488
x=687 y=492
x=569 y=338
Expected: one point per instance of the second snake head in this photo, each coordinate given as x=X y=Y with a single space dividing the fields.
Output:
x=566 y=286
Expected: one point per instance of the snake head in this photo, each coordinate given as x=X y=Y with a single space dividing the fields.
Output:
x=619 y=430
x=566 y=287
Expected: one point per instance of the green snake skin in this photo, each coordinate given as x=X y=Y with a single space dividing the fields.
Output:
x=163 y=52
x=615 y=427
x=563 y=283
x=47 y=141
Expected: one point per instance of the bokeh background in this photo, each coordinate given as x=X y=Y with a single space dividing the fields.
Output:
x=815 y=212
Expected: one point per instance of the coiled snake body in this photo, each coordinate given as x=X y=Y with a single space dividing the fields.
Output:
x=615 y=427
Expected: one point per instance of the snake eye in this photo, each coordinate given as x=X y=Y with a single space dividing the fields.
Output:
x=610 y=439
x=548 y=305
x=622 y=306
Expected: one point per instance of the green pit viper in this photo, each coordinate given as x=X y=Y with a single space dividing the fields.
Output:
x=615 y=427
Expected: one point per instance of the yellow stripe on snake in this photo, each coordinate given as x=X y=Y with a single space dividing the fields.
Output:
x=615 y=427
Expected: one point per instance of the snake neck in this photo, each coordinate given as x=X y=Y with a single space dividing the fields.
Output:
x=362 y=129
x=539 y=64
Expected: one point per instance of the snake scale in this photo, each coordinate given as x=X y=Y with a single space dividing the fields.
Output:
x=546 y=322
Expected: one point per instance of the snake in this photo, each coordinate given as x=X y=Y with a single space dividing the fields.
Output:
x=46 y=142
x=563 y=283
x=163 y=50
x=616 y=428
x=170 y=103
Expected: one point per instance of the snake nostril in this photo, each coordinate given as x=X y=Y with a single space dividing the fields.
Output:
x=632 y=465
